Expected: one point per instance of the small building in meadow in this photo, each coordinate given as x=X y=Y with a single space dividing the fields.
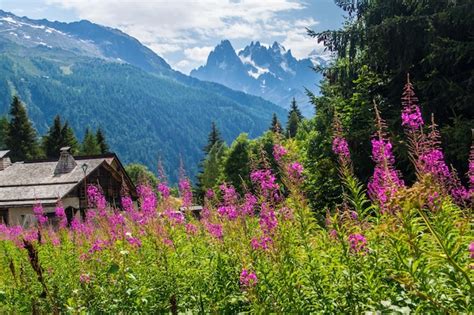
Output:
x=25 y=184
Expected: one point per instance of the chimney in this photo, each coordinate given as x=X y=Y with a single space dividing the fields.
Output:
x=4 y=160
x=66 y=162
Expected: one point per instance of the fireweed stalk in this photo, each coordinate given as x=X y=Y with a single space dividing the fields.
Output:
x=386 y=180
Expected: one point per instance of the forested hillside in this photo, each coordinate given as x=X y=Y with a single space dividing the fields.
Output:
x=97 y=76
x=146 y=118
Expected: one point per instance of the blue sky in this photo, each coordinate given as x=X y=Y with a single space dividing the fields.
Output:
x=185 y=31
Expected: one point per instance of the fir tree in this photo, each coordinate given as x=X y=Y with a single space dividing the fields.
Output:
x=89 y=144
x=52 y=140
x=211 y=170
x=276 y=125
x=57 y=137
x=294 y=118
x=3 y=132
x=69 y=139
x=100 y=137
x=213 y=138
x=21 y=136
x=237 y=164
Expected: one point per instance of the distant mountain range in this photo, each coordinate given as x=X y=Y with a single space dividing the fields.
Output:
x=94 y=75
x=270 y=72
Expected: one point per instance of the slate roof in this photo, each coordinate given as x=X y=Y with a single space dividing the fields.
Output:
x=25 y=183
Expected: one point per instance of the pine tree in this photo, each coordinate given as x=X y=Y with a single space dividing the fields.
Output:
x=52 y=140
x=276 y=125
x=237 y=164
x=69 y=139
x=21 y=136
x=213 y=138
x=3 y=132
x=100 y=137
x=57 y=137
x=89 y=144
x=294 y=118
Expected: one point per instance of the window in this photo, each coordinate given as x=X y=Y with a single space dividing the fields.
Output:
x=4 y=216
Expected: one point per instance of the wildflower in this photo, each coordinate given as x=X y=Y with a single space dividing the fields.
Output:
x=210 y=194
x=168 y=242
x=135 y=242
x=267 y=183
x=164 y=190
x=333 y=234
x=39 y=214
x=215 y=230
x=127 y=204
x=295 y=170
x=61 y=215
x=98 y=246
x=186 y=192
x=279 y=151
x=191 y=229
x=147 y=201
x=84 y=278
x=268 y=221
x=230 y=211
x=229 y=194
x=248 y=279
x=341 y=148
x=471 y=250
x=386 y=181
x=357 y=242
x=411 y=114
x=176 y=217
x=262 y=243
x=96 y=198
x=249 y=204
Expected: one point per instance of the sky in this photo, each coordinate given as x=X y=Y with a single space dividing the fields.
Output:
x=185 y=31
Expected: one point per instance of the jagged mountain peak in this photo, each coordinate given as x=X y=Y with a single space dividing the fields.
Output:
x=269 y=71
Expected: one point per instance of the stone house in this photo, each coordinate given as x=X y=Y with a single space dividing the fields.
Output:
x=25 y=184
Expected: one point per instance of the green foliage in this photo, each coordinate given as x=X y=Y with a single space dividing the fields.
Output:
x=146 y=117
x=3 y=132
x=237 y=163
x=100 y=137
x=90 y=146
x=294 y=118
x=57 y=137
x=212 y=169
x=432 y=41
x=140 y=174
x=21 y=136
x=275 y=125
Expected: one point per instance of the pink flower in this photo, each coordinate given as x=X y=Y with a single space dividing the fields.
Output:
x=147 y=201
x=248 y=207
x=267 y=182
x=295 y=170
x=191 y=229
x=84 y=278
x=186 y=192
x=215 y=230
x=341 y=148
x=357 y=242
x=411 y=114
x=262 y=243
x=61 y=215
x=96 y=199
x=279 y=151
x=39 y=214
x=471 y=250
x=248 y=279
x=135 y=242
x=164 y=190
x=268 y=220
x=175 y=217
x=210 y=194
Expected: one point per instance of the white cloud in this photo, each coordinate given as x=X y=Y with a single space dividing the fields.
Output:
x=187 y=28
x=198 y=54
x=301 y=44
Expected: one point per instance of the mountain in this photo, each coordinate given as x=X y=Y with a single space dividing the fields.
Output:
x=98 y=76
x=270 y=72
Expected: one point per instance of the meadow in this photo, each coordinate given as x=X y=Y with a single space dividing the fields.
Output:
x=392 y=247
